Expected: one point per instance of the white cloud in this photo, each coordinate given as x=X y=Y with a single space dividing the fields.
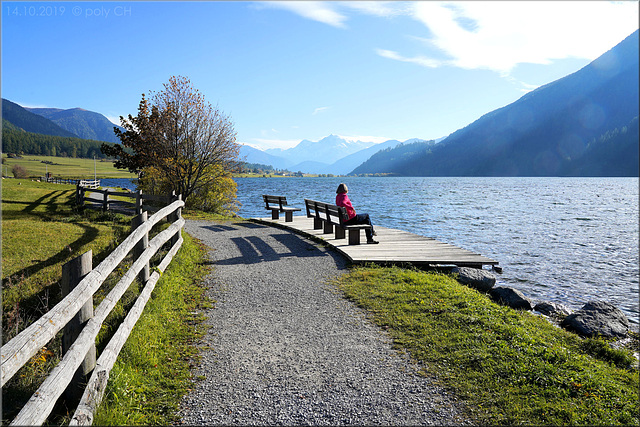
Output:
x=420 y=60
x=319 y=110
x=315 y=10
x=378 y=8
x=498 y=35
x=28 y=105
x=114 y=119
x=526 y=87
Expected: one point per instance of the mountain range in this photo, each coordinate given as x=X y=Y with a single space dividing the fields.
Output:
x=30 y=122
x=83 y=123
x=74 y=122
x=585 y=124
x=339 y=155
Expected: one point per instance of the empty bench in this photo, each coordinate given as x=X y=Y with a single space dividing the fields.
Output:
x=278 y=204
x=331 y=219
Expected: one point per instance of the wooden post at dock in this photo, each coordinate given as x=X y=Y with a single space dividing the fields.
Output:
x=72 y=273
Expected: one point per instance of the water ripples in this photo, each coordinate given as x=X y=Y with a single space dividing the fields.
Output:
x=566 y=240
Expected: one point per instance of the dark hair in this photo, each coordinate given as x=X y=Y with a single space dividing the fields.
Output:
x=342 y=188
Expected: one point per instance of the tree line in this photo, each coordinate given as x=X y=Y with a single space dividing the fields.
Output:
x=17 y=141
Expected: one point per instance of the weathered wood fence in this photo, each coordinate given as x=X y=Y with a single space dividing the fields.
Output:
x=75 y=311
x=87 y=183
x=105 y=203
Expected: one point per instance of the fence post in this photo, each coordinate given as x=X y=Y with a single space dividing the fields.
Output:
x=141 y=246
x=72 y=273
x=138 y=202
x=105 y=200
x=174 y=216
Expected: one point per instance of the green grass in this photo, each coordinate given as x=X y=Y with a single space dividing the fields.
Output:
x=41 y=230
x=511 y=367
x=65 y=167
x=152 y=372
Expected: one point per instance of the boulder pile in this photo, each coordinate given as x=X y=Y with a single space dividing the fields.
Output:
x=595 y=318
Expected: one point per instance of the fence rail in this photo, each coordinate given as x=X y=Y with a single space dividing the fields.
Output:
x=88 y=183
x=19 y=350
x=105 y=202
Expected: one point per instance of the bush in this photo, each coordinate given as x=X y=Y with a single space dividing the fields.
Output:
x=19 y=171
x=215 y=196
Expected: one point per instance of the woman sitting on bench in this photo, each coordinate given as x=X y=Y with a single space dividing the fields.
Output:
x=343 y=200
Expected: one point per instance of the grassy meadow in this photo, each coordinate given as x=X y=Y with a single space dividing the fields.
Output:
x=64 y=167
x=42 y=230
x=510 y=367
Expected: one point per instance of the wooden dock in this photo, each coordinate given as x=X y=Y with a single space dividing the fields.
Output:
x=395 y=247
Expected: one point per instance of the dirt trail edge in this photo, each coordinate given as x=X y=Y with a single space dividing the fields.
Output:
x=285 y=348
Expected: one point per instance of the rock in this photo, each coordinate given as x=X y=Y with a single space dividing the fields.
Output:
x=510 y=297
x=597 y=318
x=475 y=278
x=552 y=309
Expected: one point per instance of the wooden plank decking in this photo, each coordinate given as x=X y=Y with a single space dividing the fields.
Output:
x=395 y=247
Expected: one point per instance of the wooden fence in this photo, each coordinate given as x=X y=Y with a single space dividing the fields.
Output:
x=136 y=206
x=87 y=183
x=19 y=350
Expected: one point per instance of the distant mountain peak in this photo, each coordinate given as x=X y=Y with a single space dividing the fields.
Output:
x=81 y=122
x=327 y=150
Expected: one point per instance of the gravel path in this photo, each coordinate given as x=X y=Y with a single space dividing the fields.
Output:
x=285 y=348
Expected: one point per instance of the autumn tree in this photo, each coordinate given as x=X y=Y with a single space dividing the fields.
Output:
x=179 y=142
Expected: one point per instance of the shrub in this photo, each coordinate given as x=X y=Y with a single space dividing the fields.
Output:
x=19 y=171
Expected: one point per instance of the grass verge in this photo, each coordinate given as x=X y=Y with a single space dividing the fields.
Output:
x=42 y=230
x=152 y=372
x=511 y=367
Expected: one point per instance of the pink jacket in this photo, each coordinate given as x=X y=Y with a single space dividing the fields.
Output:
x=343 y=200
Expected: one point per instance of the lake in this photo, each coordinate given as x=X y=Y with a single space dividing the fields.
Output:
x=566 y=240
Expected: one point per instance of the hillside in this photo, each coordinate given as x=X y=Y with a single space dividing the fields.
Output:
x=83 y=123
x=555 y=130
x=253 y=155
x=346 y=164
x=16 y=140
x=31 y=122
x=394 y=158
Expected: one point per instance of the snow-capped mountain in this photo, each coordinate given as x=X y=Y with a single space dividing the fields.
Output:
x=328 y=150
x=322 y=153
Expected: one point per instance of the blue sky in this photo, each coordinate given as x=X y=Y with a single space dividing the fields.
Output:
x=287 y=71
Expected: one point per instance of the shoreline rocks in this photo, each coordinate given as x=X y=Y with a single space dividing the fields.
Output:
x=475 y=278
x=598 y=318
x=593 y=319
x=510 y=297
x=553 y=309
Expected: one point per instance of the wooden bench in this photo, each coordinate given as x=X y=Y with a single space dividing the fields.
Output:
x=331 y=219
x=278 y=204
